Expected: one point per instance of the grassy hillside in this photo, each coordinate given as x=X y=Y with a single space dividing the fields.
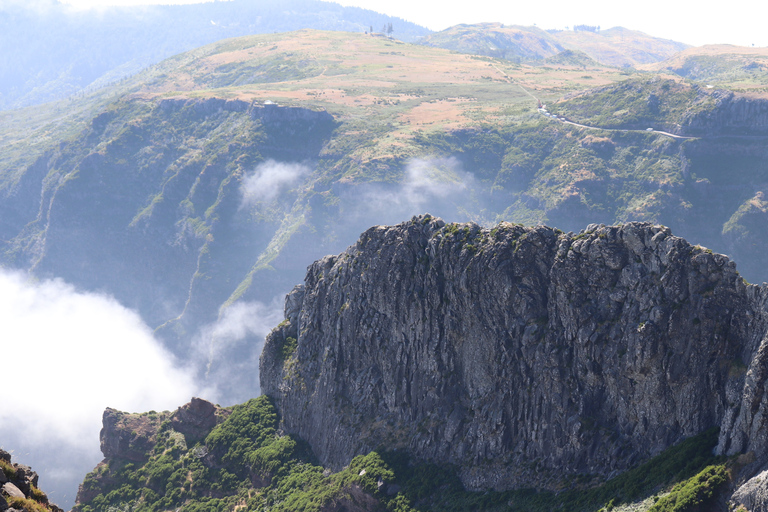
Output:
x=619 y=46
x=511 y=42
x=738 y=68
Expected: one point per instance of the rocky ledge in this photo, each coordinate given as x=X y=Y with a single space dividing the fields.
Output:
x=132 y=437
x=18 y=488
x=521 y=355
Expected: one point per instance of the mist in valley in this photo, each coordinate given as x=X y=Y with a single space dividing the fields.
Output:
x=72 y=353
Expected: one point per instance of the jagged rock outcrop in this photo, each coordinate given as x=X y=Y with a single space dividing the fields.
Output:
x=128 y=436
x=194 y=419
x=753 y=494
x=521 y=355
x=18 y=487
x=132 y=436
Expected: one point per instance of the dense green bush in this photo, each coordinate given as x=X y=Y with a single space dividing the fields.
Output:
x=695 y=493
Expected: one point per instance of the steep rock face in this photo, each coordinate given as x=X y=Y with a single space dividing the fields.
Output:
x=753 y=495
x=522 y=355
x=732 y=115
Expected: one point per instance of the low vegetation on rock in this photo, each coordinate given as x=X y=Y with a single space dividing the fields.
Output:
x=19 y=488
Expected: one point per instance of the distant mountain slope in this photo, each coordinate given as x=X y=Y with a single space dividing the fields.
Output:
x=738 y=67
x=511 y=42
x=617 y=46
x=50 y=50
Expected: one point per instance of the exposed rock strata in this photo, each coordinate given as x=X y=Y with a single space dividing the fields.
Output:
x=522 y=355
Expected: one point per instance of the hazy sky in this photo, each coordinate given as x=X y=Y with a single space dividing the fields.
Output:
x=738 y=22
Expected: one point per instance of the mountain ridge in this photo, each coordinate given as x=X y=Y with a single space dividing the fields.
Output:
x=57 y=50
x=665 y=356
x=617 y=46
x=175 y=192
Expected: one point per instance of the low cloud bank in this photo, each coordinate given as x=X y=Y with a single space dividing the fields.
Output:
x=269 y=179
x=229 y=349
x=67 y=355
x=439 y=186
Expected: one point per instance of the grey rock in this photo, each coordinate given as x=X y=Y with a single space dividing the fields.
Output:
x=733 y=115
x=195 y=419
x=3 y=503
x=12 y=491
x=25 y=477
x=293 y=304
x=753 y=495
x=521 y=355
x=125 y=436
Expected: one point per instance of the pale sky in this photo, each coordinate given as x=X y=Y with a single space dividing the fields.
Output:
x=740 y=22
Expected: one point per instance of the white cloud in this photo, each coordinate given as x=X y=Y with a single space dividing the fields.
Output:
x=434 y=185
x=269 y=179
x=229 y=349
x=429 y=178
x=67 y=355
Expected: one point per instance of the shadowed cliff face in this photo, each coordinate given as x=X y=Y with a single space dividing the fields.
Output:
x=522 y=355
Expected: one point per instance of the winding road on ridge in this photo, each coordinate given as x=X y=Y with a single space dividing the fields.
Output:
x=618 y=130
x=566 y=121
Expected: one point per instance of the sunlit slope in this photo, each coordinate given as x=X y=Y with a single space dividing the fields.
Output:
x=384 y=91
x=403 y=87
x=619 y=46
x=738 y=68
x=511 y=42
x=53 y=52
x=616 y=46
x=344 y=72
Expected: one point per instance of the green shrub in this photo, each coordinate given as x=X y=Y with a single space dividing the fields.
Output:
x=288 y=348
x=27 y=505
x=8 y=469
x=696 y=493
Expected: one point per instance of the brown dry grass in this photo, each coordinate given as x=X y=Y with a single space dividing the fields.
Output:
x=361 y=75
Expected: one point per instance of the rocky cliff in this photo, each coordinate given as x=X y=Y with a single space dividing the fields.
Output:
x=521 y=355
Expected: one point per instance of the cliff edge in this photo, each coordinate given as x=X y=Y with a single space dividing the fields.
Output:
x=520 y=355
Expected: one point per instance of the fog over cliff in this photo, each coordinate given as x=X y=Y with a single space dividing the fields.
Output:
x=60 y=374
